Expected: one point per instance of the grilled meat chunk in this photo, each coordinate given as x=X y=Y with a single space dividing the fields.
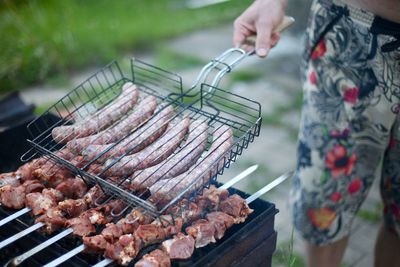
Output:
x=237 y=207
x=156 y=258
x=125 y=249
x=40 y=202
x=53 y=219
x=180 y=247
x=203 y=232
x=221 y=222
x=72 y=188
x=14 y=196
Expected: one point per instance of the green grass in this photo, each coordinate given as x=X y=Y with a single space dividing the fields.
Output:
x=285 y=255
x=171 y=60
x=372 y=216
x=43 y=38
x=246 y=76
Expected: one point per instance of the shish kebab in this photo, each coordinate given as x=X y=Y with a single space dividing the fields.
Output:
x=143 y=229
x=195 y=124
x=45 y=204
x=222 y=143
x=229 y=215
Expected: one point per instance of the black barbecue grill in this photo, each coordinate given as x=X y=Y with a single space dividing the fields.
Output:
x=251 y=243
x=248 y=244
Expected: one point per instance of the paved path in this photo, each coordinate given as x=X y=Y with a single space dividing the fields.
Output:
x=275 y=84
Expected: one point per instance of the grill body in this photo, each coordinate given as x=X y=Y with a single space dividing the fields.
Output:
x=251 y=243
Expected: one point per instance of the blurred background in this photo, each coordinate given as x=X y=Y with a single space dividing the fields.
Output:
x=49 y=47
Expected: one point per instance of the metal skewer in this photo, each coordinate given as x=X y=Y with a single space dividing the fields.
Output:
x=20 y=234
x=105 y=262
x=18 y=260
x=269 y=186
x=14 y=216
x=65 y=257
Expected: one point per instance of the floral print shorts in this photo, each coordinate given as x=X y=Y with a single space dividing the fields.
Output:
x=349 y=132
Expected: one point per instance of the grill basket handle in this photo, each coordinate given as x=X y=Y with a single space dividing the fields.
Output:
x=231 y=57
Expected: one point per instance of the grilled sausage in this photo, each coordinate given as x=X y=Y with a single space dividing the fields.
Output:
x=100 y=120
x=165 y=190
x=153 y=154
x=143 y=111
x=136 y=141
x=177 y=163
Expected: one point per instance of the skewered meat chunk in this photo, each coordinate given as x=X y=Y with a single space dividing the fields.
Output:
x=95 y=244
x=125 y=249
x=180 y=247
x=214 y=196
x=32 y=186
x=40 y=202
x=73 y=207
x=95 y=193
x=84 y=224
x=113 y=231
x=221 y=222
x=156 y=258
x=136 y=141
x=53 y=219
x=51 y=174
x=142 y=112
x=150 y=233
x=99 y=120
x=14 y=196
x=177 y=163
x=72 y=188
x=202 y=231
x=126 y=225
x=153 y=154
x=237 y=207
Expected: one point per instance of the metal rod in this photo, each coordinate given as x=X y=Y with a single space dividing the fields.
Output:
x=14 y=216
x=65 y=257
x=18 y=260
x=20 y=234
x=239 y=177
x=103 y=263
x=269 y=186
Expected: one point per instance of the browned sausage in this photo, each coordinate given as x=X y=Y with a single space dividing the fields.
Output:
x=153 y=154
x=136 y=141
x=100 y=120
x=142 y=112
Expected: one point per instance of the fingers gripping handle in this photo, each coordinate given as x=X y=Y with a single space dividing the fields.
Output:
x=225 y=62
x=286 y=22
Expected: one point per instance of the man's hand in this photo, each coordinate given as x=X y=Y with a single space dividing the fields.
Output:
x=261 y=18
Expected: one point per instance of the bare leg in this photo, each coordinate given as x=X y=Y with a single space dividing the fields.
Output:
x=387 y=248
x=327 y=256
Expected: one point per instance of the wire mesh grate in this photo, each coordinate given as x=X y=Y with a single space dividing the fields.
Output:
x=115 y=157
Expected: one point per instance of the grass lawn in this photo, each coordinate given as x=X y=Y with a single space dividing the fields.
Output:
x=43 y=38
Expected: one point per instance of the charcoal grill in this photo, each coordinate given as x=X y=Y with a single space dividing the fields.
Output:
x=251 y=243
